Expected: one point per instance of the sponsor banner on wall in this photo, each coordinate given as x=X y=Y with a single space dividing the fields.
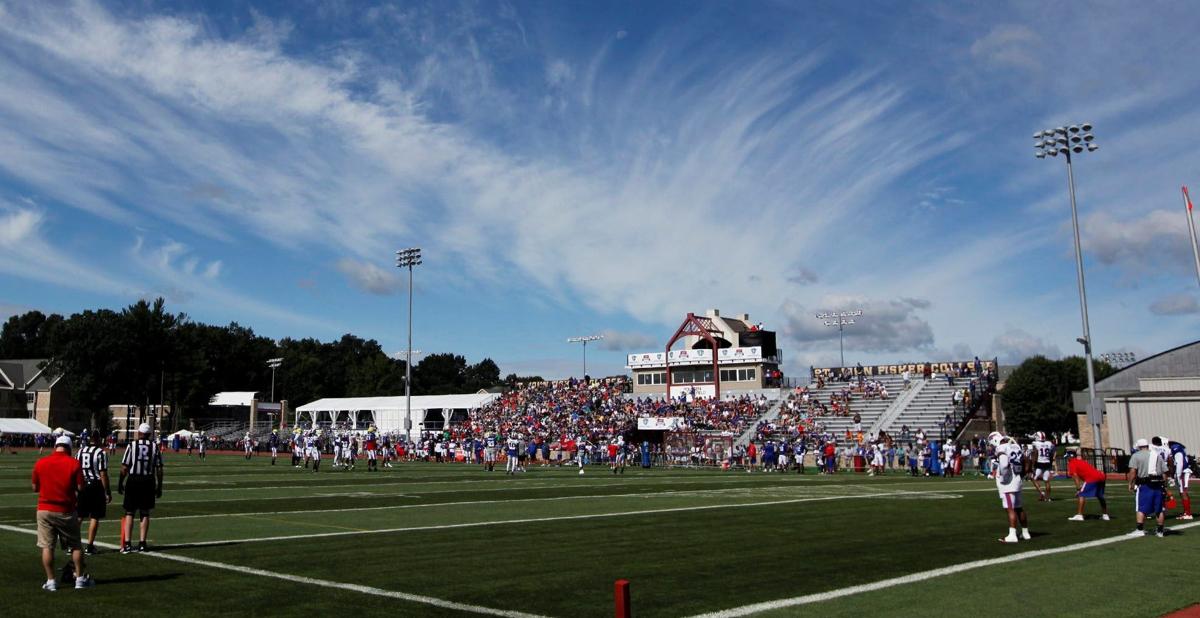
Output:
x=693 y=391
x=916 y=369
x=665 y=423
x=694 y=357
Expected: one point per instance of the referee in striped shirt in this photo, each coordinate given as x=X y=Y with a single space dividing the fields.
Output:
x=96 y=494
x=141 y=482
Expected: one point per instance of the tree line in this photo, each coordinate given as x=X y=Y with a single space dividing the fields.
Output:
x=144 y=352
x=1037 y=395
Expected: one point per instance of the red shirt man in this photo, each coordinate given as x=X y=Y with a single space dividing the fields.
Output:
x=1089 y=483
x=58 y=478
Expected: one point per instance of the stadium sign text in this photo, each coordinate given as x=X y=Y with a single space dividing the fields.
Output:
x=914 y=368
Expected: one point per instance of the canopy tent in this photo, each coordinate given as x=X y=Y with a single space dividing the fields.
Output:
x=388 y=413
x=22 y=425
x=182 y=434
x=232 y=398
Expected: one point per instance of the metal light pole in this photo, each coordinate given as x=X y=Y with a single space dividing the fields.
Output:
x=1187 y=202
x=1066 y=140
x=274 y=364
x=584 y=340
x=840 y=319
x=408 y=258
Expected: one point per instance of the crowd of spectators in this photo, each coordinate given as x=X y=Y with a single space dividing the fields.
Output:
x=597 y=411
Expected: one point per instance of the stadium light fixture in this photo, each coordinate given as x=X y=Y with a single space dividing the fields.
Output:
x=1068 y=140
x=408 y=258
x=840 y=319
x=1119 y=360
x=584 y=340
x=274 y=364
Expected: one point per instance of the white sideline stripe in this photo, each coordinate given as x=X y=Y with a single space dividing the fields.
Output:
x=913 y=578
x=642 y=494
x=324 y=583
x=531 y=520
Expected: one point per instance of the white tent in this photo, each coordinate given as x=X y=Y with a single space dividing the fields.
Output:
x=182 y=433
x=22 y=425
x=388 y=413
x=232 y=398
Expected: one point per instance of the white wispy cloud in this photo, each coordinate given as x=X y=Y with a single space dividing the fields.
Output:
x=1175 y=304
x=1014 y=345
x=369 y=277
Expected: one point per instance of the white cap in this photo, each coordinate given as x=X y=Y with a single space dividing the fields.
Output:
x=63 y=441
x=144 y=428
x=1142 y=443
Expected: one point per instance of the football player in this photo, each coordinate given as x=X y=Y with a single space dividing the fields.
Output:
x=489 y=451
x=312 y=450
x=372 y=466
x=512 y=451
x=1009 y=469
x=1043 y=469
x=273 y=441
x=1181 y=465
x=247 y=445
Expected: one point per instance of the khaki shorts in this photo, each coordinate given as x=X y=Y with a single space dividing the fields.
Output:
x=64 y=527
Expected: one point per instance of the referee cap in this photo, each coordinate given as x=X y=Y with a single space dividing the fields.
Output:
x=63 y=441
x=1142 y=443
x=144 y=428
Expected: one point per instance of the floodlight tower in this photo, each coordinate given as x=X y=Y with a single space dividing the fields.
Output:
x=840 y=319
x=1066 y=141
x=408 y=258
x=274 y=364
x=584 y=340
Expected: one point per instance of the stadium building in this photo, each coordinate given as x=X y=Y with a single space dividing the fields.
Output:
x=719 y=354
x=1157 y=396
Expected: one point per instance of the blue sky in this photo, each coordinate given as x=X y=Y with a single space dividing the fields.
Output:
x=579 y=168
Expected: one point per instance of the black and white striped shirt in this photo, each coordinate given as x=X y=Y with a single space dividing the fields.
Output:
x=93 y=460
x=142 y=457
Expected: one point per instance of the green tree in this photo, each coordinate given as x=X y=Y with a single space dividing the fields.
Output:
x=1037 y=395
x=29 y=335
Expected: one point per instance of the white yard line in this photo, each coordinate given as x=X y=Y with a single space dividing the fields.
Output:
x=530 y=520
x=913 y=578
x=324 y=583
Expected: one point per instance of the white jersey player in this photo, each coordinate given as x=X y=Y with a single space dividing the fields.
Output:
x=312 y=451
x=1009 y=470
x=1043 y=469
x=1182 y=473
x=512 y=451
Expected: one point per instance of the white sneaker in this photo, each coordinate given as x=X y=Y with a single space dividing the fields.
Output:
x=1009 y=539
x=1186 y=516
x=1077 y=518
x=84 y=582
x=1025 y=535
x=1105 y=517
x=50 y=585
x=1138 y=533
x=1160 y=534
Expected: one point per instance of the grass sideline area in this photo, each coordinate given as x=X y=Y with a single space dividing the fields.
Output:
x=451 y=539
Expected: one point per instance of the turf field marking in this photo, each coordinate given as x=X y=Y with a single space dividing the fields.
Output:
x=324 y=583
x=920 y=576
x=531 y=520
x=747 y=492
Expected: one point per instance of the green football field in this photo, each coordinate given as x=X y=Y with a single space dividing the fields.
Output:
x=451 y=539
